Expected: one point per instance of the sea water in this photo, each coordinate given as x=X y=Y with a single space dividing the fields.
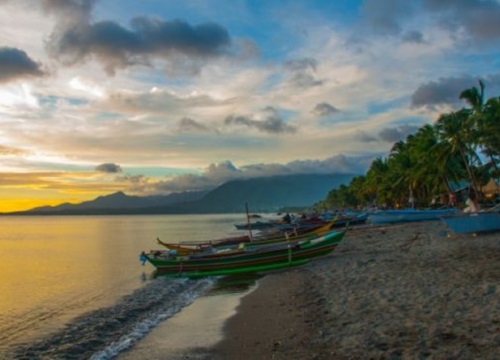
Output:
x=73 y=286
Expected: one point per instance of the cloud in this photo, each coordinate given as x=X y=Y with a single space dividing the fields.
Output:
x=479 y=18
x=413 y=37
x=385 y=16
x=302 y=72
x=70 y=10
x=159 y=101
x=75 y=39
x=218 y=173
x=269 y=121
x=189 y=125
x=214 y=175
x=364 y=137
x=15 y=63
x=7 y=151
x=108 y=168
x=325 y=109
x=446 y=91
x=393 y=135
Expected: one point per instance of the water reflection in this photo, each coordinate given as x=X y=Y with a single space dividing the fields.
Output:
x=234 y=284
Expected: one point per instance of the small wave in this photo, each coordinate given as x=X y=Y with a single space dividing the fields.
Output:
x=102 y=334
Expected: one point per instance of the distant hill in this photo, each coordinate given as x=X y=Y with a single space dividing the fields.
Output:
x=119 y=203
x=271 y=193
x=266 y=194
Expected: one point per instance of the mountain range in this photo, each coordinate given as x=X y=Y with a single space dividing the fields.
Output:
x=266 y=194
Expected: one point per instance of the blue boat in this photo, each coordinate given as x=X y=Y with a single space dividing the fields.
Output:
x=474 y=222
x=408 y=215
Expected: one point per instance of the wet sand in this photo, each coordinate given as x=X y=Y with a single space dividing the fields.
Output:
x=197 y=327
x=395 y=292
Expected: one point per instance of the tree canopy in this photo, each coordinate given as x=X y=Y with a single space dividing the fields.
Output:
x=460 y=145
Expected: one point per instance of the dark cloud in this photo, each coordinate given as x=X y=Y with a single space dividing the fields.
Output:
x=364 y=137
x=189 y=125
x=15 y=63
x=393 y=135
x=385 y=16
x=108 y=168
x=75 y=39
x=325 y=109
x=446 y=91
x=441 y=92
x=303 y=72
x=413 y=37
x=478 y=17
x=271 y=122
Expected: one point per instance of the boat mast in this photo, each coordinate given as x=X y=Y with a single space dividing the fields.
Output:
x=249 y=223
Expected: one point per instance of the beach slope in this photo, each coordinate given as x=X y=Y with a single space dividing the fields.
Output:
x=403 y=291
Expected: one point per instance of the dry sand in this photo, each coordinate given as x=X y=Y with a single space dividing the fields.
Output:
x=395 y=292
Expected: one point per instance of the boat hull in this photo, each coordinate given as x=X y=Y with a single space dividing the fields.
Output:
x=400 y=216
x=474 y=223
x=241 y=270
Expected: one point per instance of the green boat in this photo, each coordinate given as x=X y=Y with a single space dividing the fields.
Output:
x=244 y=259
x=242 y=270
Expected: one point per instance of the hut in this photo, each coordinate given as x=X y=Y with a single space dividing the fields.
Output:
x=491 y=189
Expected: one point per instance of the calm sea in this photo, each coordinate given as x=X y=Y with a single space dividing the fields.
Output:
x=73 y=286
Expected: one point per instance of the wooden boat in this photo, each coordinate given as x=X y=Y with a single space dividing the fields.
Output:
x=408 y=215
x=183 y=250
x=188 y=248
x=243 y=259
x=303 y=225
x=256 y=225
x=349 y=220
x=479 y=222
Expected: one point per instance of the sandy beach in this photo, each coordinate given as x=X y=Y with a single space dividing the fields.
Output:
x=410 y=291
x=407 y=291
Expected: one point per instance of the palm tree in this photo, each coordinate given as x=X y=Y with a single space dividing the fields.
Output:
x=474 y=96
x=453 y=128
x=376 y=180
x=488 y=126
x=430 y=171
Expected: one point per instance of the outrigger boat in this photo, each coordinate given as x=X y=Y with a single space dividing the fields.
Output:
x=474 y=223
x=244 y=259
x=188 y=248
x=408 y=215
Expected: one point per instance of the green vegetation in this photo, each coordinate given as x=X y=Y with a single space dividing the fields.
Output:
x=429 y=161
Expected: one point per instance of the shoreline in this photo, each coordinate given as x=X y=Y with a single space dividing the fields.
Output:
x=401 y=291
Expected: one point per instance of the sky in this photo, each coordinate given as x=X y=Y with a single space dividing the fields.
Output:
x=157 y=96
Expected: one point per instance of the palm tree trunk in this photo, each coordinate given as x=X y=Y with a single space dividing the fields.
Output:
x=469 y=170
